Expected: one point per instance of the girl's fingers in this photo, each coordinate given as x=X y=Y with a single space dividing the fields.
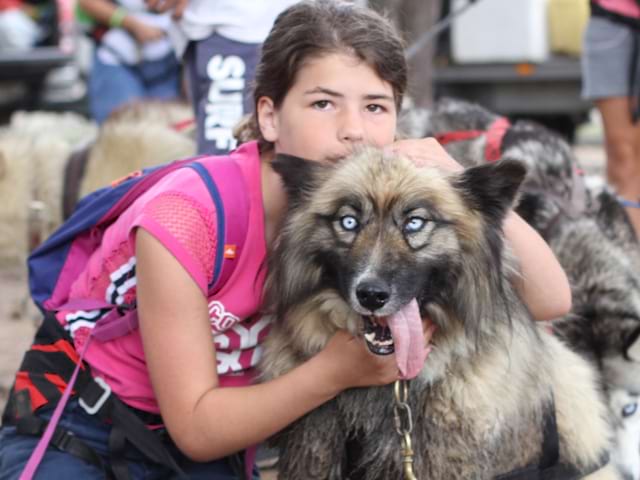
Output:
x=425 y=152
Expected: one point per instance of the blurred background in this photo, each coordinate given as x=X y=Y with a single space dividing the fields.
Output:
x=518 y=58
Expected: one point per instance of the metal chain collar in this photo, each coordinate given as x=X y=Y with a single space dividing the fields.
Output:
x=404 y=425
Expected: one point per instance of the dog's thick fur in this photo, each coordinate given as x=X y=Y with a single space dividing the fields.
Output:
x=493 y=376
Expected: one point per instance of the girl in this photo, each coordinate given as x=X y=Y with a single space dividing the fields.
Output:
x=332 y=76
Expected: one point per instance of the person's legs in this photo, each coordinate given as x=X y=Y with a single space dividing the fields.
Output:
x=111 y=86
x=622 y=144
x=15 y=450
x=161 y=78
x=220 y=73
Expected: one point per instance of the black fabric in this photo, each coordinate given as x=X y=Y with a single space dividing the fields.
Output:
x=551 y=441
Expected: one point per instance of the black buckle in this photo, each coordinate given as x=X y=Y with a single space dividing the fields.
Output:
x=62 y=439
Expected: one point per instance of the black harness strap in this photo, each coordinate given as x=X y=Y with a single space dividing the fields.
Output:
x=549 y=467
x=127 y=427
x=62 y=439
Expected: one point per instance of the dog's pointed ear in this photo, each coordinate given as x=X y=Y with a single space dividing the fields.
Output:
x=614 y=220
x=491 y=188
x=632 y=346
x=298 y=174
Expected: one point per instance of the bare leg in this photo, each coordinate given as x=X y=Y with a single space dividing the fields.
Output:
x=623 y=152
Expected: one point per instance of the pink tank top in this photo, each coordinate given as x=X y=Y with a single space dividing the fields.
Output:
x=628 y=8
x=180 y=213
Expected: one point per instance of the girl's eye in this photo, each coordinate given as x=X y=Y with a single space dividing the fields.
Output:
x=629 y=409
x=322 y=104
x=349 y=223
x=414 y=224
x=375 y=108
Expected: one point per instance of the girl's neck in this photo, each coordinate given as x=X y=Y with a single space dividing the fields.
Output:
x=274 y=198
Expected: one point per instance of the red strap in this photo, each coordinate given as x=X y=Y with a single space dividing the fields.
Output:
x=184 y=124
x=495 y=134
x=448 y=137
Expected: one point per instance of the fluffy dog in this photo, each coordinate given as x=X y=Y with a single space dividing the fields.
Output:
x=371 y=238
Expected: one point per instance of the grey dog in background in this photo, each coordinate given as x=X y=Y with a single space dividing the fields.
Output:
x=592 y=238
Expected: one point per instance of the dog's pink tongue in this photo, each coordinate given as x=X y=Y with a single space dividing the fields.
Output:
x=408 y=339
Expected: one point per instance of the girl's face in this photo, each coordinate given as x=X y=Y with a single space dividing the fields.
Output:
x=336 y=102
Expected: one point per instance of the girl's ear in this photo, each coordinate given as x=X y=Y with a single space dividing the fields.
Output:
x=267 y=119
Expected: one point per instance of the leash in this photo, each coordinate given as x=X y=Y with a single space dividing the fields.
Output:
x=404 y=426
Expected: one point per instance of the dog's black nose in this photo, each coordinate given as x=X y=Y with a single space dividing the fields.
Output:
x=372 y=295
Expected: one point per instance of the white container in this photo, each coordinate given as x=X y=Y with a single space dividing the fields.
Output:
x=500 y=31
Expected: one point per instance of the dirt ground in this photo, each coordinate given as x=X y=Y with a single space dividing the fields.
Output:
x=16 y=333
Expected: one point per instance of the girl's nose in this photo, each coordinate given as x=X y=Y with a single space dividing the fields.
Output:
x=351 y=128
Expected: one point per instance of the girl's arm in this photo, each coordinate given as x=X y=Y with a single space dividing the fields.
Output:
x=544 y=286
x=208 y=422
x=112 y=15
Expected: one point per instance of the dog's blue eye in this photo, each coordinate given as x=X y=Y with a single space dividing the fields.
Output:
x=414 y=224
x=629 y=409
x=349 y=223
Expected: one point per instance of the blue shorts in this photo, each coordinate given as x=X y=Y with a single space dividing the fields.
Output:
x=112 y=86
x=16 y=449
x=606 y=59
x=221 y=73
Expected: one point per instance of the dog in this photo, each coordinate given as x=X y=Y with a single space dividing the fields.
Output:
x=372 y=239
x=594 y=241
x=626 y=458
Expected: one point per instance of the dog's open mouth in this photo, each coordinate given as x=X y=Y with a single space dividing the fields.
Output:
x=377 y=336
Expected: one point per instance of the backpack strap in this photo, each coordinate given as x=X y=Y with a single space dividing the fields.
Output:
x=229 y=194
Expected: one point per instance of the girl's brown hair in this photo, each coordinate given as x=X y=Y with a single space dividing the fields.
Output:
x=310 y=29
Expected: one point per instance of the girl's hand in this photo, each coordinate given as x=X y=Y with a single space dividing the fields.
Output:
x=144 y=33
x=162 y=6
x=353 y=365
x=425 y=152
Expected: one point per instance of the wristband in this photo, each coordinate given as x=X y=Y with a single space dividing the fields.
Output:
x=117 y=17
